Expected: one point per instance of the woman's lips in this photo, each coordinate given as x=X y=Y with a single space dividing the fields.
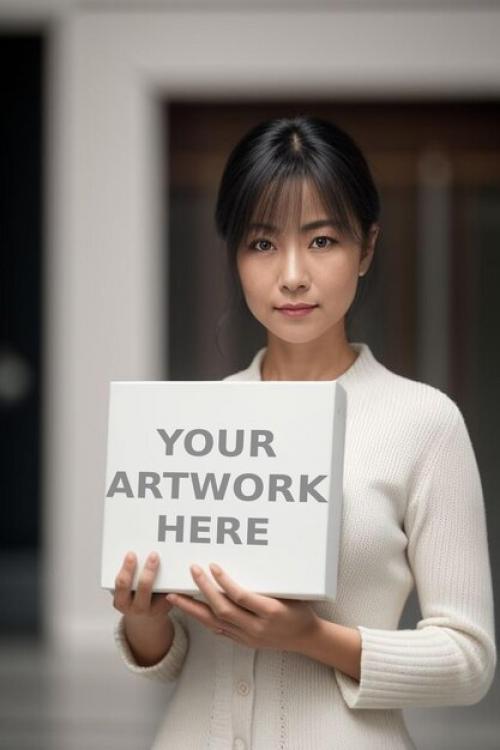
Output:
x=297 y=312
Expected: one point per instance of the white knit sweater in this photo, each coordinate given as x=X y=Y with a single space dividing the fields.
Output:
x=413 y=515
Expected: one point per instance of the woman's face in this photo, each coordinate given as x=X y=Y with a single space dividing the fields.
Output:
x=312 y=265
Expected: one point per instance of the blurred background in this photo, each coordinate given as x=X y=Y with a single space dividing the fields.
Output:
x=116 y=119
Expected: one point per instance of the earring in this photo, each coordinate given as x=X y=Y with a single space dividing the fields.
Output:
x=362 y=273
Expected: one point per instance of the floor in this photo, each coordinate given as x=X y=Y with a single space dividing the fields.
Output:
x=91 y=702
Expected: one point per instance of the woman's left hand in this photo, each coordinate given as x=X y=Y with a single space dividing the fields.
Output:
x=250 y=619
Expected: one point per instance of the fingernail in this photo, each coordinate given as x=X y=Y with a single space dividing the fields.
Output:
x=215 y=569
x=171 y=597
x=196 y=570
x=129 y=557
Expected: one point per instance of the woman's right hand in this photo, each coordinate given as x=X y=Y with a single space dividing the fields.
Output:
x=142 y=603
x=148 y=629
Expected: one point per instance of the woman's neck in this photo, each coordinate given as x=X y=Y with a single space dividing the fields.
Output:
x=311 y=361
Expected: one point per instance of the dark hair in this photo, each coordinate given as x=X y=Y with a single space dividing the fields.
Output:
x=263 y=177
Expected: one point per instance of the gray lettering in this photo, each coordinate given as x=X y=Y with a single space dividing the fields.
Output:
x=306 y=487
x=188 y=442
x=222 y=530
x=218 y=492
x=253 y=530
x=280 y=483
x=120 y=478
x=169 y=441
x=195 y=528
x=259 y=486
x=175 y=476
x=178 y=527
x=224 y=450
x=256 y=443
x=148 y=480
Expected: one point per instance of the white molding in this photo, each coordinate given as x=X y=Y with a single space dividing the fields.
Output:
x=39 y=8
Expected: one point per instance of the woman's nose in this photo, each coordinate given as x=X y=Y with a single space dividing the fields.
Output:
x=293 y=272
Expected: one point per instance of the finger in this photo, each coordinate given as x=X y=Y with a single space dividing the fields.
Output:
x=232 y=635
x=142 y=599
x=220 y=604
x=256 y=603
x=159 y=604
x=123 y=582
x=199 y=610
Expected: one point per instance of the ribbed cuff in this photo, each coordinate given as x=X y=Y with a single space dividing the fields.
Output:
x=402 y=668
x=166 y=670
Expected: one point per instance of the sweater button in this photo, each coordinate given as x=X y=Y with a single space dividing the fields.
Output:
x=238 y=744
x=243 y=687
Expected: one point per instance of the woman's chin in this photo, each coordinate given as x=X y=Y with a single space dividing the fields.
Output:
x=295 y=336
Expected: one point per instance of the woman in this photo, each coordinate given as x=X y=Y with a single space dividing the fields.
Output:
x=298 y=212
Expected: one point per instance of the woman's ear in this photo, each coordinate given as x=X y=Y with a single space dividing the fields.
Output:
x=369 y=249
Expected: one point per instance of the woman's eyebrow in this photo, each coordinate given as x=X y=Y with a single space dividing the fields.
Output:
x=305 y=228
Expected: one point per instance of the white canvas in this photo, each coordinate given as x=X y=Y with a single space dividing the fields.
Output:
x=170 y=488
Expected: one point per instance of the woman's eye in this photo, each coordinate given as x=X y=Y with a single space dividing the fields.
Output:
x=266 y=245
x=329 y=240
x=258 y=242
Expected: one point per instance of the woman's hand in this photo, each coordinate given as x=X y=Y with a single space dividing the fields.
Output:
x=148 y=628
x=143 y=603
x=245 y=617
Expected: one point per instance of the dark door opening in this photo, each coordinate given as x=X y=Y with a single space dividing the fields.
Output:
x=21 y=137
x=397 y=138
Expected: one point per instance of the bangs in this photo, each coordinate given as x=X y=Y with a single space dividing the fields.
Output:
x=279 y=204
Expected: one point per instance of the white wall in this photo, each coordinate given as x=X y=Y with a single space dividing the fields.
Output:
x=104 y=283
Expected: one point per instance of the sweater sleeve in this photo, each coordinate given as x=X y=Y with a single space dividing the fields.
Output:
x=168 y=668
x=450 y=657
